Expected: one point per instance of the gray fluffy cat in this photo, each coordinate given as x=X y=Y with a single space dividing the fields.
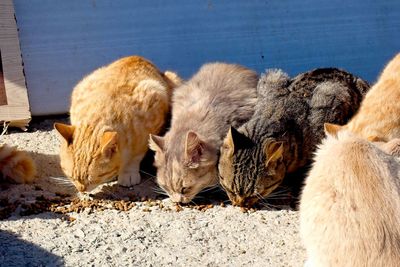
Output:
x=203 y=109
x=285 y=129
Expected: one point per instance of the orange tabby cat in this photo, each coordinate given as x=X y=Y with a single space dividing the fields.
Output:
x=16 y=165
x=113 y=111
x=378 y=118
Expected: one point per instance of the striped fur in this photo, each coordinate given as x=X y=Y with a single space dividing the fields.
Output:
x=285 y=129
x=16 y=165
x=113 y=111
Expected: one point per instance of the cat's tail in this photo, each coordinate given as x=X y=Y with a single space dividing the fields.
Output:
x=272 y=79
x=172 y=79
x=16 y=165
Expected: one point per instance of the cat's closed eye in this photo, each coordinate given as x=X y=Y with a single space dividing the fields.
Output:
x=186 y=190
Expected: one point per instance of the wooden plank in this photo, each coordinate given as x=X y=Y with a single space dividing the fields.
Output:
x=63 y=40
x=3 y=96
x=15 y=111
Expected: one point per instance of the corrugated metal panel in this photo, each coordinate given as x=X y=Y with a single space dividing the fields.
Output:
x=63 y=40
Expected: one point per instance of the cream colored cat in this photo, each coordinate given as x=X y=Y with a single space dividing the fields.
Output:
x=113 y=111
x=350 y=205
x=16 y=165
x=378 y=118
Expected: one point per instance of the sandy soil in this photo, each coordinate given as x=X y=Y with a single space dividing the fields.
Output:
x=152 y=232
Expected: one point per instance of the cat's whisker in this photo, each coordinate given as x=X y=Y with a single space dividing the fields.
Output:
x=207 y=189
x=162 y=194
x=269 y=205
x=110 y=192
x=193 y=203
x=263 y=201
x=159 y=191
x=276 y=198
x=147 y=173
x=62 y=181
x=147 y=180
x=259 y=196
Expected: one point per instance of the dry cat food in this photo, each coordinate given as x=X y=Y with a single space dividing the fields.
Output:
x=64 y=206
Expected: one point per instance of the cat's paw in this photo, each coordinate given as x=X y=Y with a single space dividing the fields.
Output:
x=129 y=179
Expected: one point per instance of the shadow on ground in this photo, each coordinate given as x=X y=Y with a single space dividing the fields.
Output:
x=17 y=252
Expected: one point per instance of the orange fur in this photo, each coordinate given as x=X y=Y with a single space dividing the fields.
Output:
x=16 y=165
x=113 y=111
x=378 y=118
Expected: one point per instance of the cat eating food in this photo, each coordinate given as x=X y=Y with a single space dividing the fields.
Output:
x=217 y=96
x=350 y=204
x=113 y=111
x=285 y=129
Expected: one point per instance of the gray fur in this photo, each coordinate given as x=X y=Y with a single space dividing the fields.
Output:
x=291 y=111
x=218 y=96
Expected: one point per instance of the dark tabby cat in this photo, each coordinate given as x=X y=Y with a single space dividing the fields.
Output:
x=285 y=129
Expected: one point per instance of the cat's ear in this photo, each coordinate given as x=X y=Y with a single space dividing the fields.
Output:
x=65 y=131
x=109 y=144
x=156 y=143
x=194 y=149
x=332 y=129
x=274 y=152
x=228 y=144
x=238 y=140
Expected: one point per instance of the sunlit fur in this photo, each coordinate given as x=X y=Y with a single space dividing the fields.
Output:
x=391 y=147
x=218 y=96
x=350 y=205
x=16 y=165
x=378 y=117
x=113 y=111
x=285 y=129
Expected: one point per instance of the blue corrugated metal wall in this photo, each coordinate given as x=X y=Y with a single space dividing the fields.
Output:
x=63 y=40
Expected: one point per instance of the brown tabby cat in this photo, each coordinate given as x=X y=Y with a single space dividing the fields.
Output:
x=113 y=111
x=218 y=96
x=350 y=205
x=285 y=129
x=378 y=118
x=16 y=165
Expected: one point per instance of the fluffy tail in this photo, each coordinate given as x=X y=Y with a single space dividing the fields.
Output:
x=172 y=79
x=16 y=165
x=272 y=79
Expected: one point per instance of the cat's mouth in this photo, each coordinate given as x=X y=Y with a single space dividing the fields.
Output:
x=250 y=201
x=246 y=202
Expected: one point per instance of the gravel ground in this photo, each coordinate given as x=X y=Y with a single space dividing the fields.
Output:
x=153 y=232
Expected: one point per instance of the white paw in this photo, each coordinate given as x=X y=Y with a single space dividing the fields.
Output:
x=129 y=179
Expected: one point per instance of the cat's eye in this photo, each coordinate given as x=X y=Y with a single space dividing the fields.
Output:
x=185 y=190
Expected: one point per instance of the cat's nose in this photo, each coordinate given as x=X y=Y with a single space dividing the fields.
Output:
x=238 y=201
x=80 y=187
x=179 y=198
x=176 y=197
x=243 y=201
